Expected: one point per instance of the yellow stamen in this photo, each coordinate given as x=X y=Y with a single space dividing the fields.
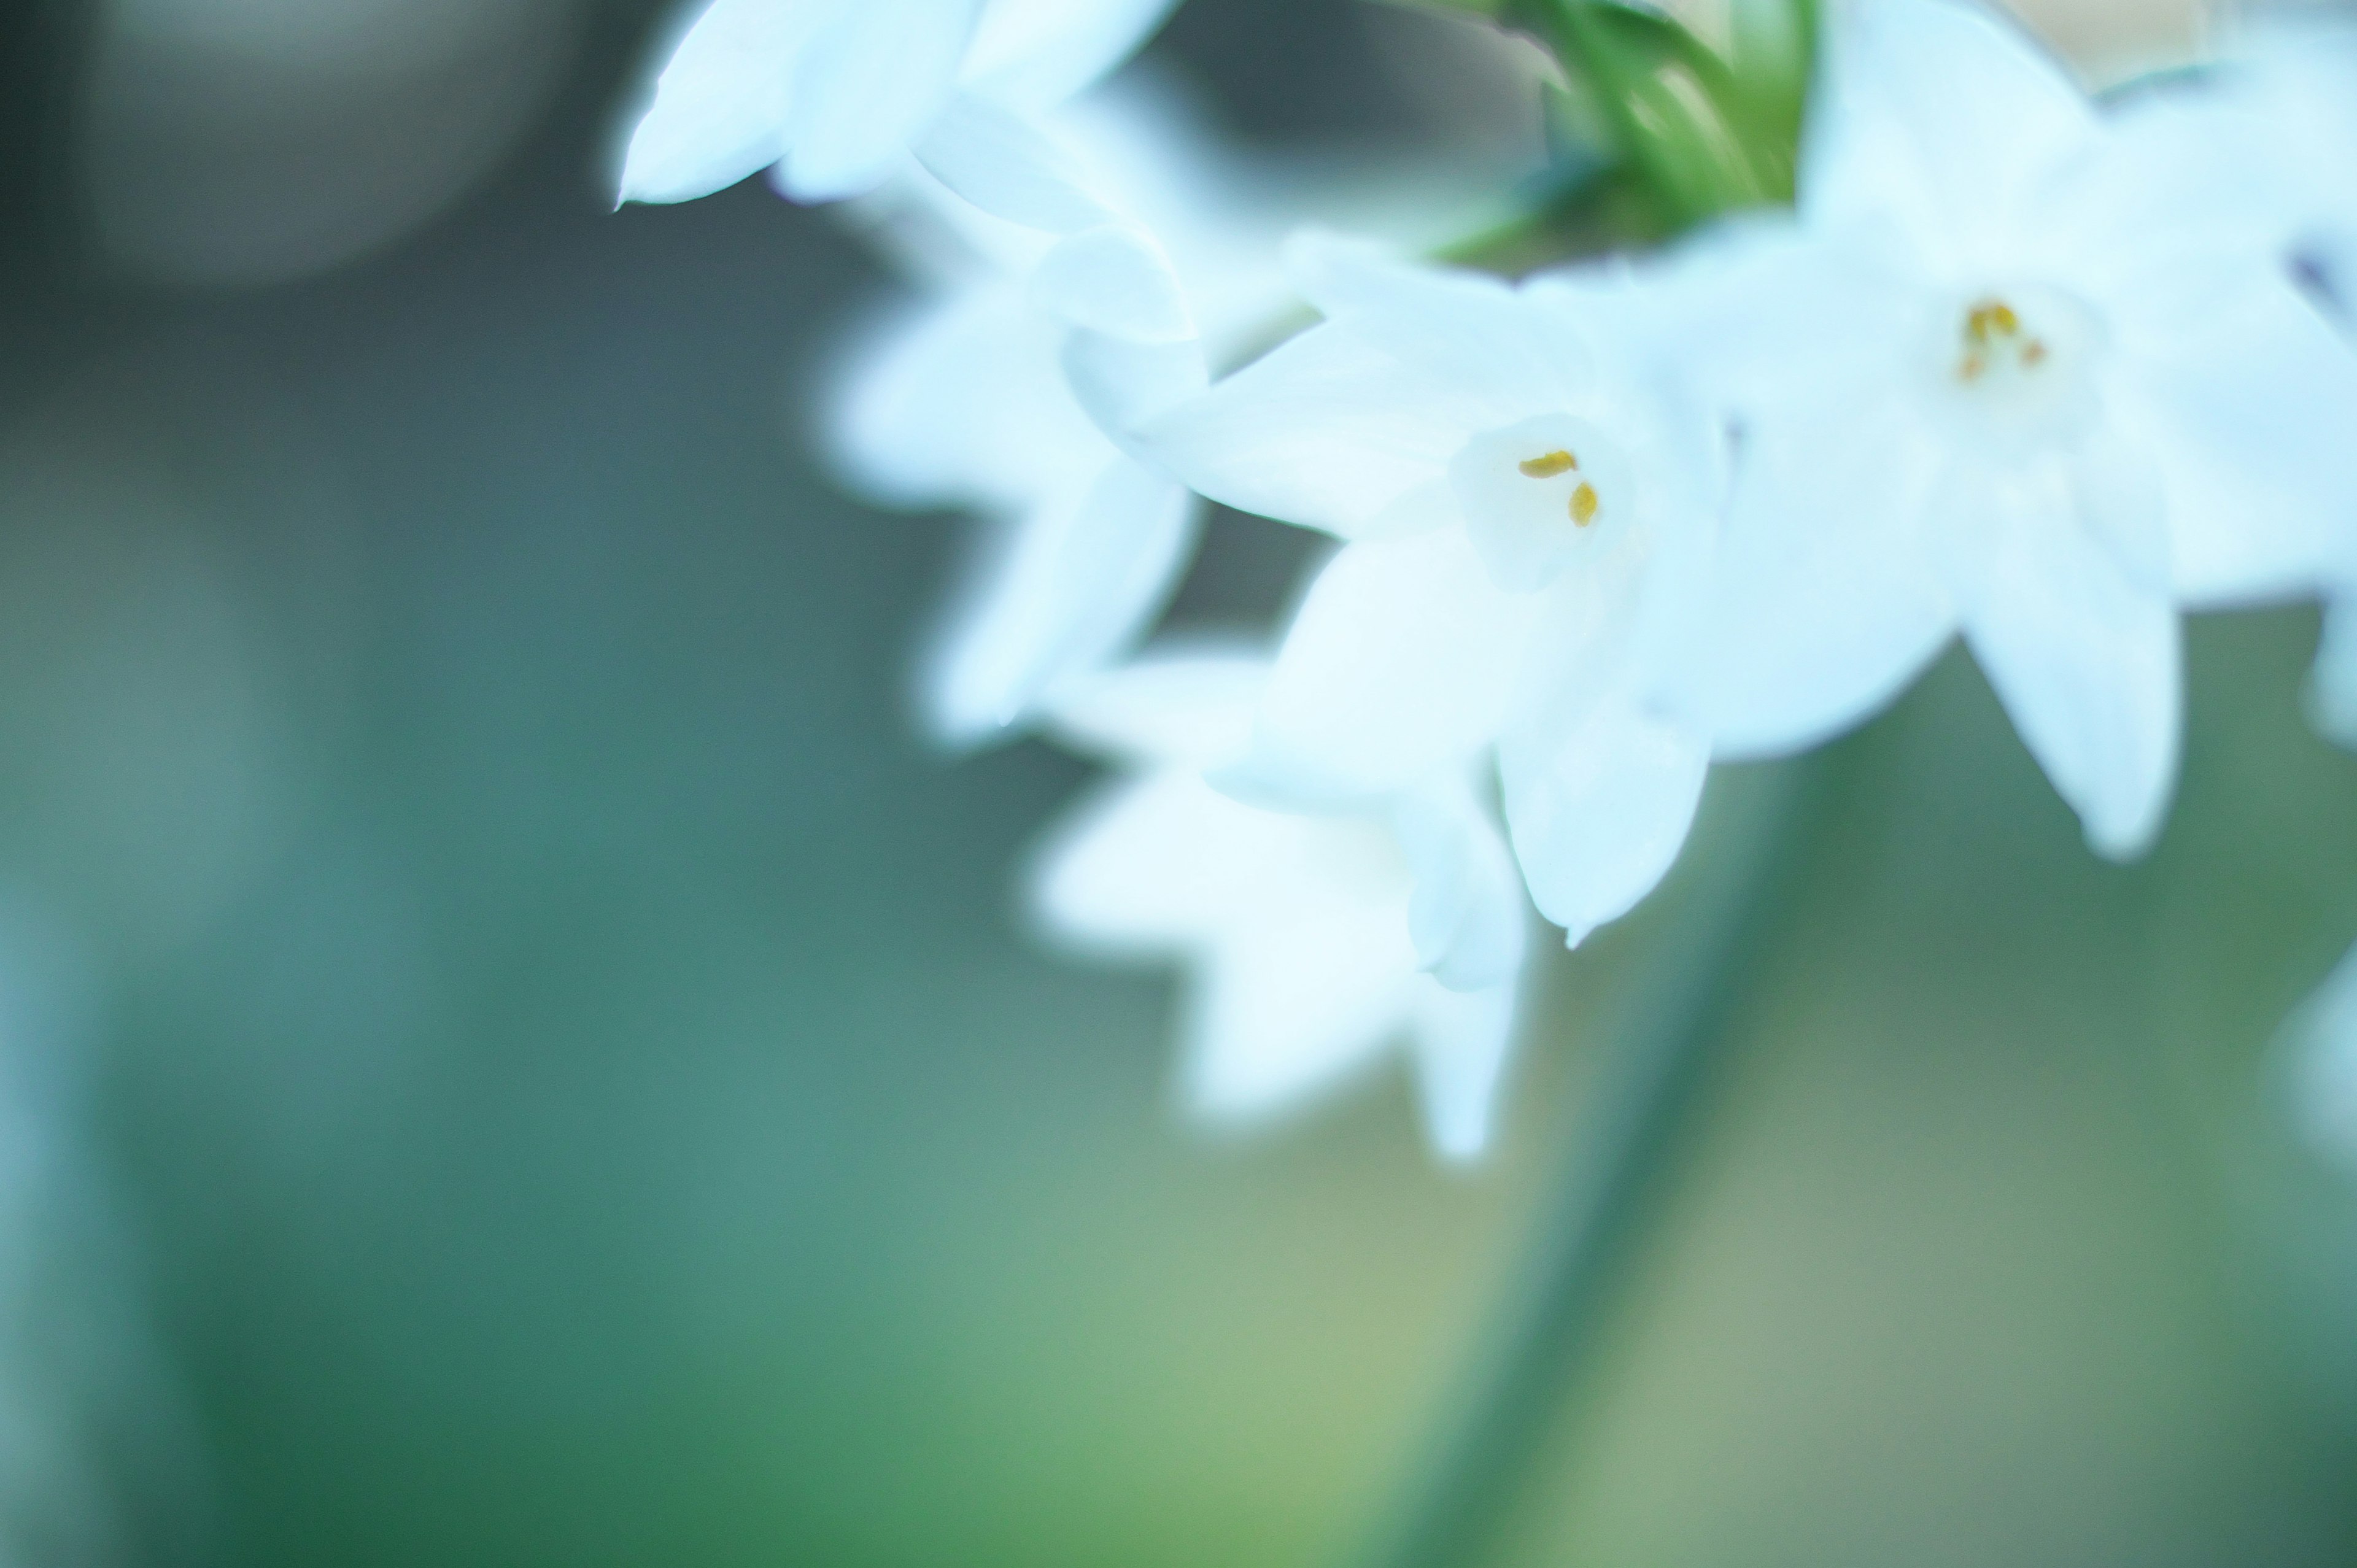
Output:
x=1583 y=504
x=1550 y=465
x=1993 y=340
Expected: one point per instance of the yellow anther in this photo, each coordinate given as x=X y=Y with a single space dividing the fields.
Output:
x=1990 y=318
x=1583 y=504
x=1548 y=466
x=1993 y=341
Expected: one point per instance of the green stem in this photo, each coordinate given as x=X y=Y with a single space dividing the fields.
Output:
x=1575 y=35
x=1634 y=1125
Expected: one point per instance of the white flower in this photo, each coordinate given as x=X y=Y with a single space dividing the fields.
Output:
x=2011 y=377
x=1312 y=943
x=961 y=400
x=2275 y=134
x=2269 y=134
x=1530 y=504
x=833 y=94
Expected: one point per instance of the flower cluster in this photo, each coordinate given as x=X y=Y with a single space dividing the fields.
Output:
x=2014 y=363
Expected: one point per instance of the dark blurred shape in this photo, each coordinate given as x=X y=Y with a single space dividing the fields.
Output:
x=254 y=141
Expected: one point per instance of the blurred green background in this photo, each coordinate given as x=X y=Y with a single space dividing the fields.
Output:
x=541 y=1066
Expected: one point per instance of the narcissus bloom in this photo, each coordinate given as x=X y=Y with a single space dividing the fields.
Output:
x=1156 y=236
x=2008 y=374
x=2271 y=137
x=833 y=95
x=1529 y=500
x=1312 y=943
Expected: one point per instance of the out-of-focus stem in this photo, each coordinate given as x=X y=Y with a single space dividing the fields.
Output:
x=1703 y=136
x=1572 y=31
x=1594 y=1220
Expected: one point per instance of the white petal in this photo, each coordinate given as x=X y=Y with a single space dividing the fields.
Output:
x=866 y=88
x=1149 y=868
x=1464 y=329
x=1760 y=315
x=1463 y=1043
x=719 y=109
x=1400 y=663
x=1823 y=606
x=1468 y=915
x=961 y=405
x=1600 y=810
x=1127 y=385
x=2332 y=688
x=1115 y=280
x=1293 y=1007
x=1080 y=580
x=2201 y=167
x=2121 y=497
x=1178 y=704
x=2249 y=425
x=1034 y=53
x=1009 y=167
x=1937 y=115
x=2084 y=658
x=1328 y=432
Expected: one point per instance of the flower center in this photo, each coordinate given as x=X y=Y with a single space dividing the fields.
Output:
x=1542 y=494
x=1554 y=465
x=2014 y=368
x=1996 y=344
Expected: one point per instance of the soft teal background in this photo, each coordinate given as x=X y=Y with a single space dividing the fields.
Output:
x=575 y=1091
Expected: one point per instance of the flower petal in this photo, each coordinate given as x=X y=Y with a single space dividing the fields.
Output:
x=1468 y=916
x=1467 y=330
x=1009 y=167
x=1031 y=54
x=1823 y=606
x=961 y=405
x=865 y=90
x=1399 y=664
x=2249 y=424
x=719 y=109
x=1126 y=385
x=1292 y=1006
x=1078 y=581
x=1463 y=1041
x=1328 y=431
x=1178 y=704
x=2084 y=657
x=1931 y=114
x=1113 y=279
x=1600 y=810
x=1149 y=868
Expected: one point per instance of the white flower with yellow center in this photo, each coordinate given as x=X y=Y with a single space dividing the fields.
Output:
x=1313 y=943
x=832 y=95
x=1529 y=502
x=2007 y=375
